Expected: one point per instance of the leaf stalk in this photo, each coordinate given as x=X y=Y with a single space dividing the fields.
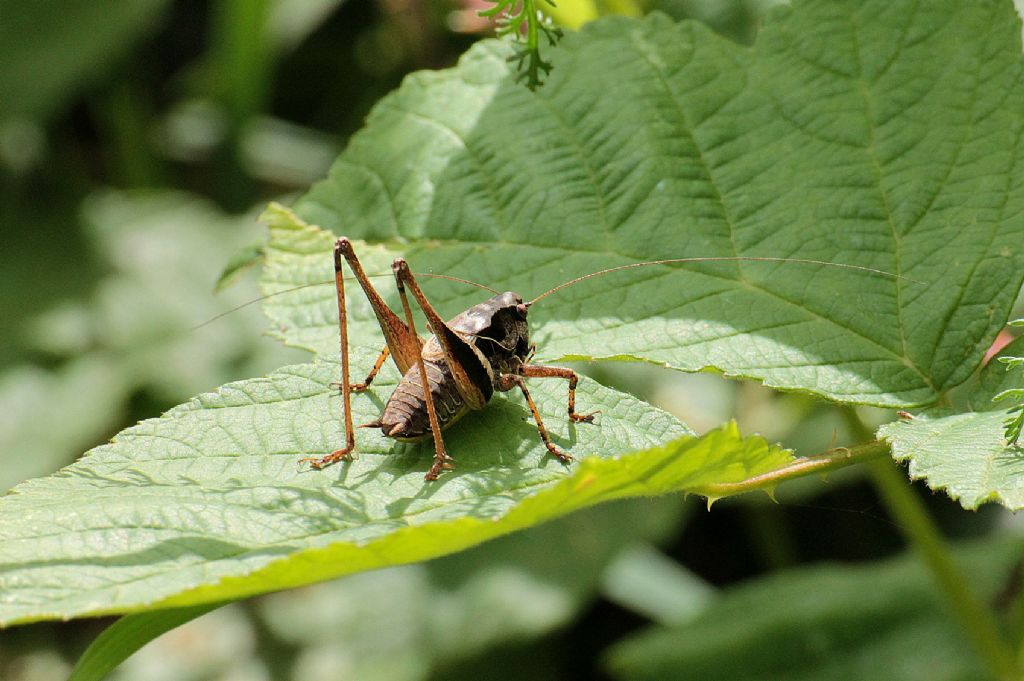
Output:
x=839 y=457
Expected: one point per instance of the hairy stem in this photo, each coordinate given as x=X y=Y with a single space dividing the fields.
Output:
x=978 y=622
x=822 y=463
x=532 y=39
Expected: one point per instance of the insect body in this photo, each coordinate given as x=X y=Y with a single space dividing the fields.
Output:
x=482 y=350
x=497 y=335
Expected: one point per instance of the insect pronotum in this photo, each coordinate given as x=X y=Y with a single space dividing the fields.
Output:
x=457 y=369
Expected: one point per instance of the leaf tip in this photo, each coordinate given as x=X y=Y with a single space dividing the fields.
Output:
x=281 y=216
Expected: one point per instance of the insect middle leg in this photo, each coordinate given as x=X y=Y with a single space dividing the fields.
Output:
x=359 y=387
x=506 y=382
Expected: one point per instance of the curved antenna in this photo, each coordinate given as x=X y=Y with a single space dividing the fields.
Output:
x=246 y=304
x=740 y=258
x=331 y=281
x=449 y=278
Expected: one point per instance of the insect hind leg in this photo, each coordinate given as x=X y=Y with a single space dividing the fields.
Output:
x=350 y=438
x=441 y=459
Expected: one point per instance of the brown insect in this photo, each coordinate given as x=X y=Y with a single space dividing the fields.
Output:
x=458 y=369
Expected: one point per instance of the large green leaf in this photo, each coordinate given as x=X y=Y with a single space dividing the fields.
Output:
x=374 y=624
x=962 y=450
x=208 y=502
x=824 y=623
x=879 y=133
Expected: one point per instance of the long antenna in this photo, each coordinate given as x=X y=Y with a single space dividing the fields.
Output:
x=739 y=258
x=331 y=281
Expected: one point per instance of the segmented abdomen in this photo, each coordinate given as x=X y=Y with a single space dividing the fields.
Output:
x=405 y=415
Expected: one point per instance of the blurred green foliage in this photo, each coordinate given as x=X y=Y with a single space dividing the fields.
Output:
x=136 y=141
x=867 y=622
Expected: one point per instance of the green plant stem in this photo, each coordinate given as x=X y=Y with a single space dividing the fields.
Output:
x=122 y=115
x=532 y=40
x=906 y=508
x=977 y=621
x=830 y=460
x=770 y=536
x=1015 y=616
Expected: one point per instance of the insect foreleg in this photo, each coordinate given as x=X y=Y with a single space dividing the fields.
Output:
x=505 y=382
x=539 y=371
x=346 y=394
x=441 y=458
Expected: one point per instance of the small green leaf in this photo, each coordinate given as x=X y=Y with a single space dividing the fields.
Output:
x=525 y=23
x=964 y=450
x=121 y=639
x=242 y=260
x=1015 y=421
x=965 y=455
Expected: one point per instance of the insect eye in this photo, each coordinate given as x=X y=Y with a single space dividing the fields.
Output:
x=521 y=310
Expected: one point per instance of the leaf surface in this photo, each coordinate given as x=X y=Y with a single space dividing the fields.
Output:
x=962 y=450
x=208 y=503
x=880 y=134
